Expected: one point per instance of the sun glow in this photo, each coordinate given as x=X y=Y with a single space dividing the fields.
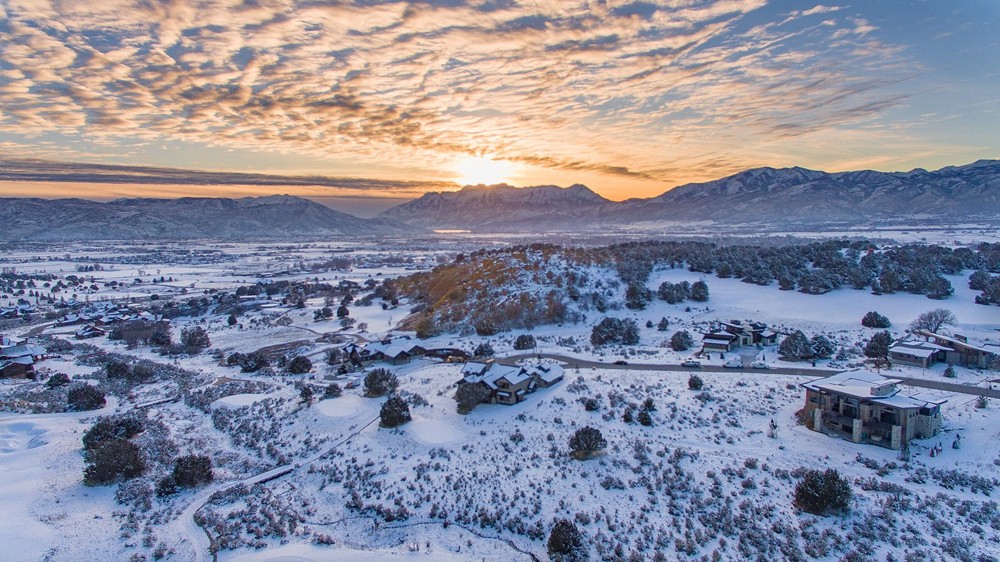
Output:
x=475 y=170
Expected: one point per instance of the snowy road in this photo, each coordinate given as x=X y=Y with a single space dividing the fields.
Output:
x=574 y=362
x=197 y=538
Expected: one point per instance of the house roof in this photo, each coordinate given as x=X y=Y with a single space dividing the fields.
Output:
x=859 y=384
x=549 y=372
x=959 y=343
x=913 y=350
x=26 y=361
x=390 y=349
x=900 y=401
x=22 y=350
x=513 y=375
x=726 y=336
x=475 y=368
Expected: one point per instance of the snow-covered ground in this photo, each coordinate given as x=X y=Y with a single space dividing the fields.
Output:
x=705 y=479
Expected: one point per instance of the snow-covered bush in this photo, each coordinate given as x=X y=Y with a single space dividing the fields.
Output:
x=822 y=492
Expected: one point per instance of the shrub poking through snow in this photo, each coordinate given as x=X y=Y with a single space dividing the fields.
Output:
x=525 y=341
x=193 y=470
x=566 y=542
x=333 y=391
x=300 y=365
x=586 y=442
x=681 y=341
x=483 y=350
x=111 y=461
x=394 y=413
x=695 y=382
x=82 y=397
x=875 y=320
x=823 y=492
x=379 y=382
x=469 y=395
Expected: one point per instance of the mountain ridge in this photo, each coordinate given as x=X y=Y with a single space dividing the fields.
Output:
x=272 y=216
x=765 y=195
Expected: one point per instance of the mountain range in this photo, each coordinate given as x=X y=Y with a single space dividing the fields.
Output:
x=765 y=196
x=276 y=216
x=759 y=198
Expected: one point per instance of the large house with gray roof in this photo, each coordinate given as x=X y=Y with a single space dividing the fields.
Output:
x=510 y=384
x=868 y=408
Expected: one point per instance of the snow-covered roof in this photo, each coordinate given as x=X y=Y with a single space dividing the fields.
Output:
x=17 y=361
x=23 y=350
x=860 y=384
x=900 y=401
x=475 y=369
x=718 y=336
x=916 y=351
x=958 y=342
x=549 y=373
x=391 y=349
x=513 y=375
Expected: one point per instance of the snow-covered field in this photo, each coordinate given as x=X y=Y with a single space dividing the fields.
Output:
x=707 y=479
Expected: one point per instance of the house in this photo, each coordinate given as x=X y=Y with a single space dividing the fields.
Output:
x=71 y=320
x=35 y=352
x=89 y=331
x=868 y=408
x=395 y=353
x=357 y=355
x=744 y=334
x=548 y=374
x=17 y=368
x=960 y=352
x=719 y=341
x=917 y=354
x=509 y=384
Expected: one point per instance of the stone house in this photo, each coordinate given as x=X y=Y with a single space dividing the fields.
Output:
x=868 y=408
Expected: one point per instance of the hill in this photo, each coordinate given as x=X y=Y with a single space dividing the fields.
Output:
x=500 y=208
x=763 y=196
x=277 y=216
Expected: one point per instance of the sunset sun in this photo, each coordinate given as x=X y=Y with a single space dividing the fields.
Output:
x=474 y=170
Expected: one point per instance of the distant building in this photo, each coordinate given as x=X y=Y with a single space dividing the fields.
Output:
x=510 y=384
x=917 y=354
x=89 y=331
x=728 y=336
x=958 y=350
x=719 y=341
x=868 y=408
x=17 y=368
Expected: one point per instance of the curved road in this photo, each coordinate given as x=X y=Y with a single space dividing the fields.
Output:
x=573 y=362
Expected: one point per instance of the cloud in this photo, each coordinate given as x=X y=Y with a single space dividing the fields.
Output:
x=625 y=91
x=42 y=170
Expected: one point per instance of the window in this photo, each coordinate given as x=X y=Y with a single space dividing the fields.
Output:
x=888 y=416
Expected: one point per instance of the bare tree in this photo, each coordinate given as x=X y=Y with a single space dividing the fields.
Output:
x=933 y=320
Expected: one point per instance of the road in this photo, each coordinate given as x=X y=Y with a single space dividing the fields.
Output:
x=198 y=538
x=574 y=362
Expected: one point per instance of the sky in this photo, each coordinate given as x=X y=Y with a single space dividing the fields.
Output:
x=629 y=98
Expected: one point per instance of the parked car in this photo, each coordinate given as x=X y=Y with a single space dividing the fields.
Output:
x=759 y=365
x=734 y=364
x=691 y=363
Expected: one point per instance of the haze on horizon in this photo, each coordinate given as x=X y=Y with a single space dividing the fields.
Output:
x=629 y=98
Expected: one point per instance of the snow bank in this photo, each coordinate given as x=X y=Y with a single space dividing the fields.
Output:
x=344 y=407
x=19 y=436
x=433 y=432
